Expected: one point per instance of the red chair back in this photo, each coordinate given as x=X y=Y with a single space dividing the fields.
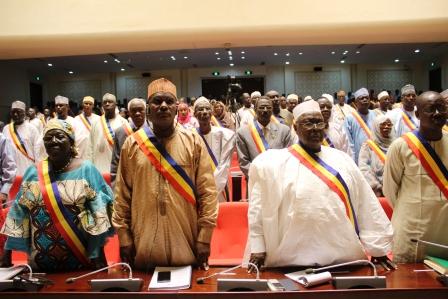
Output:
x=387 y=207
x=230 y=235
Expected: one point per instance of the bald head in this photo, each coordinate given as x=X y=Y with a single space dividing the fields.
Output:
x=432 y=111
x=427 y=96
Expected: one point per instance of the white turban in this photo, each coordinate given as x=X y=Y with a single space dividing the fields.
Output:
x=383 y=94
x=308 y=98
x=60 y=100
x=362 y=92
x=88 y=99
x=328 y=97
x=18 y=105
x=305 y=107
x=255 y=94
x=292 y=96
x=201 y=100
x=444 y=94
x=109 y=96
x=136 y=100
x=408 y=88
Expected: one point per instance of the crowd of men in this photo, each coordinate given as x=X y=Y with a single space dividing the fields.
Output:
x=314 y=170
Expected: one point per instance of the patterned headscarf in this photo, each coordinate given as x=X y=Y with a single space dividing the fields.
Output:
x=62 y=125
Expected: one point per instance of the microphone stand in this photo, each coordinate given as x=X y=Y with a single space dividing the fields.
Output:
x=129 y=284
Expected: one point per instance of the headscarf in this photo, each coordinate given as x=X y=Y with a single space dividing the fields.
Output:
x=60 y=124
x=382 y=142
x=225 y=118
x=183 y=119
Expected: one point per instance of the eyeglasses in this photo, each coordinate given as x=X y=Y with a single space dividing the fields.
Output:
x=310 y=126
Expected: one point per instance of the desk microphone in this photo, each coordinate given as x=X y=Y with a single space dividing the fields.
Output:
x=429 y=243
x=131 y=284
x=201 y=280
x=357 y=262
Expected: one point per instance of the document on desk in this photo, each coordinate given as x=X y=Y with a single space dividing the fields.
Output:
x=180 y=278
x=8 y=273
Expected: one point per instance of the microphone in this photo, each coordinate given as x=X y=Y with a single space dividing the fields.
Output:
x=130 y=284
x=429 y=243
x=201 y=280
x=357 y=262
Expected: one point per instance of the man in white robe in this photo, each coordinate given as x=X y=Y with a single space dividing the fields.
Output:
x=248 y=114
x=341 y=109
x=219 y=140
x=87 y=118
x=420 y=207
x=26 y=137
x=398 y=115
x=294 y=216
x=102 y=134
x=35 y=121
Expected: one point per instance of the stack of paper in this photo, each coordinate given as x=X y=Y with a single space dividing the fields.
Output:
x=180 y=279
x=438 y=264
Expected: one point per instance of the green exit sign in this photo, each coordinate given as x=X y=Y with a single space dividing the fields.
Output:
x=215 y=73
x=248 y=72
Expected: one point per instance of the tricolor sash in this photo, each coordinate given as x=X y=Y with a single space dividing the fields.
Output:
x=216 y=122
x=107 y=130
x=362 y=123
x=408 y=121
x=18 y=141
x=329 y=176
x=377 y=150
x=277 y=120
x=213 y=160
x=60 y=215
x=165 y=164
x=327 y=142
x=252 y=111
x=86 y=122
x=43 y=121
x=445 y=128
x=127 y=128
x=258 y=137
x=429 y=159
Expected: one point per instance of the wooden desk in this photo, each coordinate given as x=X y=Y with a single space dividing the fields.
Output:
x=402 y=283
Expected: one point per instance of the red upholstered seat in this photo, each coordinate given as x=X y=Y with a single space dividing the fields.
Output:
x=387 y=207
x=230 y=235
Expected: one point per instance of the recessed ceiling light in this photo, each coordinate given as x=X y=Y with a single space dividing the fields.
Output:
x=357 y=52
x=116 y=60
x=342 y=61
x=229 y=52
x=287 y=54
x=122 y=69
x=50 y=64
x=300 y=53
x=346 y=51
x=216 y=53
x=70 y=72
x=333 y=52
x=185 y=57
x=275 y=54
x=230 y=58
x=231 y=64
x=105 y=61
x=242 y=57
x=397 y=60
x=417 y=51
x=242 y=52
x=432 y=63
x=287 y=62
x=219 y=58
x=173 y=58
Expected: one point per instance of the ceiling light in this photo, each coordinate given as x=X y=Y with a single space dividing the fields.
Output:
x=300 y=53
x=105 y=61
x=229 y=52
x=333 y=52
x=242 y=57
x=122 y=69
x=346 y=51
x=417 y=51
x=287 y=62
x=116 y=60
x=185 y=57
x=50 y=64
x=70 y=72
x=275 y=54
x=357 y=52
x=432 y=63
x=397 y=60
x=287 y=54
x=342 y=61
x=230 y=58
x=216 y=53
x=231 y=64
x=173 y=58
x=242 y=52
x=219 y=58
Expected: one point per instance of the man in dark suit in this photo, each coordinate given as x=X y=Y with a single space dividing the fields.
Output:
x=137 y=113
x=261 y=135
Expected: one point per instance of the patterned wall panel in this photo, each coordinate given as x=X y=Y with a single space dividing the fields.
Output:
x=317 y=83
x=77 y=90
x=138 y=87
x=387 y=79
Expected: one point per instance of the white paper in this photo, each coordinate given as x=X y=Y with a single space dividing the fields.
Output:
x=309 y=280
x=180 y=279
x=8 y=273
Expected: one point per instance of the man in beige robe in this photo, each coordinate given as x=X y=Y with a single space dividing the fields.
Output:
x=156 y=225
x=420 y=208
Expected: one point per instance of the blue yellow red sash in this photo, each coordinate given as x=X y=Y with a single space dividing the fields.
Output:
x=429 y=159
x=258 y=137
x=127 y=128
x=327 y=142
x=18 y=141
x=376 y=149
x=107 y=130
x=165 y=164
x=277 y=120
x=216 y=122
x=329 y=176
x=43 y=121
x=86 y=122
x=60 y=215
x=445 y=128
x=252 y=111
x=362 y=123
x=213 y=160
x=408 y=121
